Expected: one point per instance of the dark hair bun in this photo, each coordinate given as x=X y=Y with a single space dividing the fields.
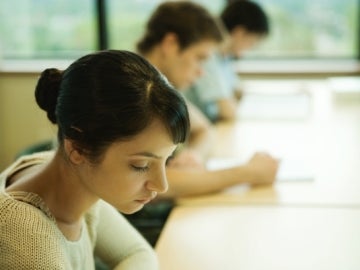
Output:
x=47 y=91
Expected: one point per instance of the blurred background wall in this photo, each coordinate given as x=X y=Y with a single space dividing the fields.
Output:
x=22 y=122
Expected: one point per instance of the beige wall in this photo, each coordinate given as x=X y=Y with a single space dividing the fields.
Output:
x=22 y=122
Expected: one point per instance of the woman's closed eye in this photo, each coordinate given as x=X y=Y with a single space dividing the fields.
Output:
x=140 y=168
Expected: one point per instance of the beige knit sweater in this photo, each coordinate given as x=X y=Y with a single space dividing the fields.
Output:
x=30 y=238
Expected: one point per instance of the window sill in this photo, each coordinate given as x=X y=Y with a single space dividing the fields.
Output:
x=293 y=67
x=244 y=67
x=32 y=66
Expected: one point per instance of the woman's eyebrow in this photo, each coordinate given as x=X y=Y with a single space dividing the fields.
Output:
x=147 y=154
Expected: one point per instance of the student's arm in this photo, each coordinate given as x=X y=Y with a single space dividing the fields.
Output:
x=195 y=151
x=213 y=92
x=260 y=169
x=119 y=245
x=201 y=131
x=227 y=108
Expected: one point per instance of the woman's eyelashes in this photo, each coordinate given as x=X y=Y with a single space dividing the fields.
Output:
x=140 y=168
x=145 y=166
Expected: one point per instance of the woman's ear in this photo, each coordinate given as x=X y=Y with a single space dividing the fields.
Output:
x=72 y=153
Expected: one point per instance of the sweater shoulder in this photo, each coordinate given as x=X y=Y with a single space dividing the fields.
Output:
x=19 y=215
x=29 y=238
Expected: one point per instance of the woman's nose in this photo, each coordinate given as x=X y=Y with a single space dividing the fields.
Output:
x=158 y=182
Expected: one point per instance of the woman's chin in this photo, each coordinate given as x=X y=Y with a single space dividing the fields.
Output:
x=131 y=210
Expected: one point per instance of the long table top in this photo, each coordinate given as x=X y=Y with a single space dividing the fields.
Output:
x=260 y=237
x=311 y=223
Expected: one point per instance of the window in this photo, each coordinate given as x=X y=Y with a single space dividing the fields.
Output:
x=311 y=29
x=38 y=29
x=67 y=29
x=299 y=29
x=126 y=19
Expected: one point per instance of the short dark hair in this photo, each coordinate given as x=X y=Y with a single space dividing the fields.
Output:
x=189 y=21
x=246 y=14
x=109 y=96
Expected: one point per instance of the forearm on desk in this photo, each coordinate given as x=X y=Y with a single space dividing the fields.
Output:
x=202 y=134
x=227 y=108
x=201 y=141
x=197 y=182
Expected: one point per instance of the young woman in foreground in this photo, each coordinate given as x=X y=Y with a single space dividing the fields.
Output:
x=119 y=121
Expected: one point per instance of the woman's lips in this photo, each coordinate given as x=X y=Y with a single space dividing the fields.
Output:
x=144 y=201
x=148 y=198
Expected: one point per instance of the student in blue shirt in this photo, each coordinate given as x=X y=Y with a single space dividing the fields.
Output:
x=217 y=92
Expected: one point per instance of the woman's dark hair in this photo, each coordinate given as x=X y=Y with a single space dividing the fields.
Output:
x=109 y=96
x=189 y=21
x=246 y=14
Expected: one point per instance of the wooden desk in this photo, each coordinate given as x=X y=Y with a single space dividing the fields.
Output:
x=328 y=140
x=259 y=238
x=310 y=225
